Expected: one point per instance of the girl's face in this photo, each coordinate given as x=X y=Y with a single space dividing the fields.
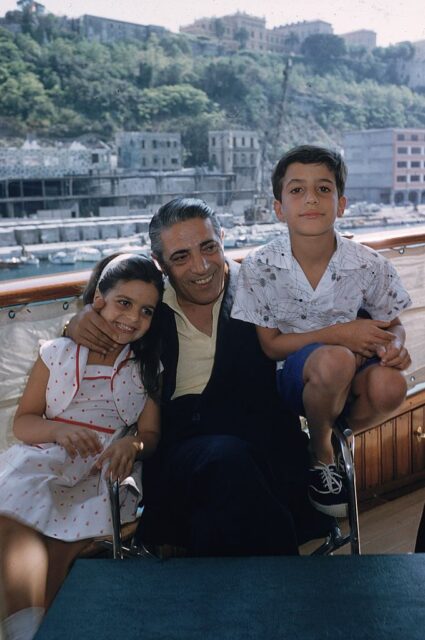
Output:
x=129 y=307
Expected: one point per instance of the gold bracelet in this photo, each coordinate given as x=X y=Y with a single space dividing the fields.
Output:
x=65 y=329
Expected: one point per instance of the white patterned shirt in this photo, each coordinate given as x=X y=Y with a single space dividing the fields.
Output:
x=273 y=291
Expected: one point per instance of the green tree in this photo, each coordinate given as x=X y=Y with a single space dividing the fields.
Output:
x=219 y=28
x=322 y=50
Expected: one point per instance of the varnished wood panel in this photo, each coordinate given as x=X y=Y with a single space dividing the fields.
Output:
x=372 y=458
x=402 y=446
x=387 y=451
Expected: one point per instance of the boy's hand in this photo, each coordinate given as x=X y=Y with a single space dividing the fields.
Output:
x=91 y=330
x=77 y=440
x=365 y=336
x=394 y=354
x=121 y=455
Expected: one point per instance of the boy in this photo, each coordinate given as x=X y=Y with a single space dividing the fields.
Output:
x=303 y=291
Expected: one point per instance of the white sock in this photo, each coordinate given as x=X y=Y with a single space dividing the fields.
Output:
x=23 y=624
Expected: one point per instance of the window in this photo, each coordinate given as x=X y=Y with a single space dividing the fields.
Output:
x=416 y=150
x=401 y=164
x=414 y=136
x=414 y=178
x=415 y=164
x=95 y=158
x=401 y=178
x=154 y=144
x=213 y=141
x=400 y=136
x=401 y=149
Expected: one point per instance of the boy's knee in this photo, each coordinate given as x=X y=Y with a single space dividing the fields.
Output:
x=387 y=388
x=331 y=366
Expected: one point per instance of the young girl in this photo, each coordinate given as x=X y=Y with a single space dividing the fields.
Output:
x=53 y=488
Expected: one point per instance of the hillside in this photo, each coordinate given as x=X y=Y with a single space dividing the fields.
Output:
x=55 y=84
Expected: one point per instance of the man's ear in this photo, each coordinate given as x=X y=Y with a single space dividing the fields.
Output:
x=278 y=209
x=342 y=203
x=158 y=263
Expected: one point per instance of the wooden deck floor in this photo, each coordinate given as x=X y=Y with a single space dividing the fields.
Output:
x=390 y=527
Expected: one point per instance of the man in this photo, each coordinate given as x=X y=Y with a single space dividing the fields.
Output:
x=229 y=477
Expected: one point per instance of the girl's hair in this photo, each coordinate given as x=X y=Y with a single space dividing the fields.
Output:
x=147 y=348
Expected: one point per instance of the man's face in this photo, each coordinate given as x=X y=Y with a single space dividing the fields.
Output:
x=309 y=200
x=193 y=259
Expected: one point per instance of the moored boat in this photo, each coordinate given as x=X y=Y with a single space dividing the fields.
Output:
x=62 y=257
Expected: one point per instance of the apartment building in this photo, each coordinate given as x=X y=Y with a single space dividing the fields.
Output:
x=386 y=165
x=236 y=151
x=291 y=36
x=242 y=30
x=106 y=30
x=360 y=38
x=234 y=31
x=149 y=151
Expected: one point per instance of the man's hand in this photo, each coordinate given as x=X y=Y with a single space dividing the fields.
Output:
x=394 y=354
x=77 y=440
x=364 y=336
x=121 y=455
x=91 y=330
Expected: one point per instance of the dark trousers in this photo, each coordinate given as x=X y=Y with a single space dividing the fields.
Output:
x=420 y=540
x=221 y=492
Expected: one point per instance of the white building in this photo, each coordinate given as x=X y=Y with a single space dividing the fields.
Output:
x=149 y=151
x=386 y=165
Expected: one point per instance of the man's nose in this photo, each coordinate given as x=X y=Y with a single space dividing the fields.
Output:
x=199 y=263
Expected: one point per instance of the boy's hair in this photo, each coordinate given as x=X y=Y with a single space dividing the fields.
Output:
x=309 y=154
x=147 y=348
x=178 y=210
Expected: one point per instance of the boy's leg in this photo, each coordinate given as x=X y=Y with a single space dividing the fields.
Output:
x=328 y=374
x=315 y=382
x=377 y=391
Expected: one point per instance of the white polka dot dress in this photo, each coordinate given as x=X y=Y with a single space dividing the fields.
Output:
x=62 y=498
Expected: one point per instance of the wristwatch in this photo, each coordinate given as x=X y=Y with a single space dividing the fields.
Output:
x=65 y=329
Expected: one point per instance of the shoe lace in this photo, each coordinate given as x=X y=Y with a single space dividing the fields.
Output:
x=330 y=478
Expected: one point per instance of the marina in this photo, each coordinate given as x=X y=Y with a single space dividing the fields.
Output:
x=33 y=247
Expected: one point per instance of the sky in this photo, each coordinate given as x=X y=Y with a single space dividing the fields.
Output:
x=392 y=20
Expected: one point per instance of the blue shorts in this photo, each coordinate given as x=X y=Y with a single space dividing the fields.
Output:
x=290 y=381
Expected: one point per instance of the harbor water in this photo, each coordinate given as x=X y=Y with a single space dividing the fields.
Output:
x=45 y=267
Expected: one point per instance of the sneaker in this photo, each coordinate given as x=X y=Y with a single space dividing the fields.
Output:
x=326 y=490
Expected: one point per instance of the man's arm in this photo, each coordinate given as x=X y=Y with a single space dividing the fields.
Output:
x=360 y=336
x=88 y=328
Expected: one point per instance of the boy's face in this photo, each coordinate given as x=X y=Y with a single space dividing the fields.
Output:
x=309 y=200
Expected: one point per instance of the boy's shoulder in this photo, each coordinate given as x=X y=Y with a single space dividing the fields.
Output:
x=276 y=253
x=354 y=255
